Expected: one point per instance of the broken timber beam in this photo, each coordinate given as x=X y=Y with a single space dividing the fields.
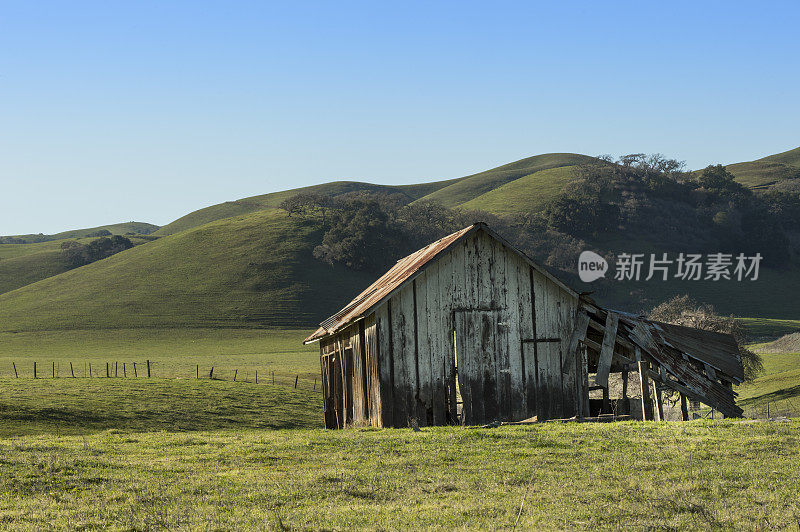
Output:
x=684 y=409
x=647 y=405
x=607 y=350
x=659 y=405
x=578 y=334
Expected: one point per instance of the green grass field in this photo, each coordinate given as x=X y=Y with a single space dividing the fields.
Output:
x=758 y=328
x=87 y=406
x=776 y=391
x=172 y=352
x=676 y=476
x=177 y=452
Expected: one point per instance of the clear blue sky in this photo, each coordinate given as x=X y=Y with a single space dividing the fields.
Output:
x=115 y=111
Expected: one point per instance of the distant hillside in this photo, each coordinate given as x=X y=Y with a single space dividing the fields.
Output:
x=473 y=186
x=23 y=264
x=115 y=229
x=451 y=192
x=249 y=271
x=22 y=270
x=247 y=264
x=272 y=200
x=529 y=193
x=768 y=170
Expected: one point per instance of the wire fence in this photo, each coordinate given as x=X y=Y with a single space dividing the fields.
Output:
x=782 y=408
x=785 y=407
x=147 y=369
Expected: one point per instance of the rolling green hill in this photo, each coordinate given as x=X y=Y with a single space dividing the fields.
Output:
x=791 y=157
x=245 y=264
x=449 y=192
x=529 y=193
x=768 y=170
x=25 y=269
x=249 y=271
x=115 y=229
x=272 y=200
x=473 y=186
x=23 y=264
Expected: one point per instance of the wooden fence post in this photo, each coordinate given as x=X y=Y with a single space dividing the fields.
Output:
x=235 y=372
x=148 y=368
x=15 y=370
x=34 y=370
x=134 y=371
x=197 y=371
x=256 y=376
x=124 y=371
x=107 y=372
x=54 y=369
x=211 y=373
x=116 y=369
x=90 y=370
x=295 y=381
x=71 y=371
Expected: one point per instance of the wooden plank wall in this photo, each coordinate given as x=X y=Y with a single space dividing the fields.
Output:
x=555 y=320
x=350 y=376
x=414 y=330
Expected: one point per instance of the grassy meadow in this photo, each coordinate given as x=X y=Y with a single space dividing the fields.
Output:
x=176 y=452
x=173 y=353
x=776 y=392
x=676 y=476
x=226 y=287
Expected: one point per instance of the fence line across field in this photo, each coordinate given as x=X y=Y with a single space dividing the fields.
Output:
x=112 y=371
x=786 y=407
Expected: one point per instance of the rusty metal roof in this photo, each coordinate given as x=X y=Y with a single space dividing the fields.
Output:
x=402 y=272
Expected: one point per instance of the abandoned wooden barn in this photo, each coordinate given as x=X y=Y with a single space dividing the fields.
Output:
x=470 y=330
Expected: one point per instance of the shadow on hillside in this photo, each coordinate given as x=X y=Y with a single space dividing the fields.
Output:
x=778 y=395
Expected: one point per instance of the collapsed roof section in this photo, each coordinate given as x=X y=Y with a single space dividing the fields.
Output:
x=702 y=365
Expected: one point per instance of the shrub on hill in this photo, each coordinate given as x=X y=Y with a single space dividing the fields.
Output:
x=653 y=198
x=370 y=232
x=100 y=232
x=645 y=197
x=77 y=254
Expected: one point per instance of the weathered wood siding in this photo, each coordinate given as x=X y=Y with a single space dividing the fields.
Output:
x=512 y=326
x=350 y=376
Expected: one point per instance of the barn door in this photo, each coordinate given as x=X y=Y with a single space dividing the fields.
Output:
x=481 y=366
